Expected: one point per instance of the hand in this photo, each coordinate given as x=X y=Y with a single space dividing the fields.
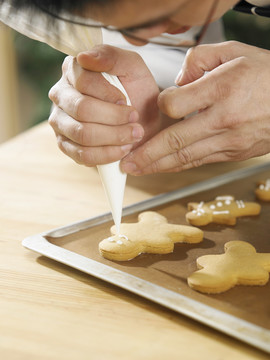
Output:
x=91 y=120
x=229 y=111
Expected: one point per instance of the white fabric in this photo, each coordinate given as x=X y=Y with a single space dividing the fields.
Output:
x=165 y=62
x=259 y=2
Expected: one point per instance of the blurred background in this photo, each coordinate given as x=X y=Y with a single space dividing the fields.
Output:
x=35 y=67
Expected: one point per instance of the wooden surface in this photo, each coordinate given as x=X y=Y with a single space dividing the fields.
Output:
x=50 y=311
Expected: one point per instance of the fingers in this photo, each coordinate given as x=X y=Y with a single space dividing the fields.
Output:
x=215 y=87
x=230 y=145
x=90 y=83
x=204 y=58
x=88 y=109
x=91 y=134
x=171 y=140
x=91 y=156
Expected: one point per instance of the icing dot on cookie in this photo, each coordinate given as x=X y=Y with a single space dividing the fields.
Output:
x=119 y=242
x=219 y=204
x=228 y=202
x=110 y=239
x=212 y=207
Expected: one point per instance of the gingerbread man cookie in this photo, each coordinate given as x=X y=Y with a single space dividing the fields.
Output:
x=263 y=190
x=240 y=265
x=152 y=234
x=223 y=210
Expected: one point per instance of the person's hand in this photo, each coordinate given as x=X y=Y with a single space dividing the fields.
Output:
x=229 y=111
x=91 y=120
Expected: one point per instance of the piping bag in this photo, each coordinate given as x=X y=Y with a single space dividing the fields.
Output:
x=72 y=39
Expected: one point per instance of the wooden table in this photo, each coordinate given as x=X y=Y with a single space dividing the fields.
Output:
x=51 y=311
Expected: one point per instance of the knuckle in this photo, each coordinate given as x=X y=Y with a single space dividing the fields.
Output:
x=183 y=157
x=239 y=143
x=81 y=157
x=60 y=143
x=225 y=121
x=66 y=63
x=79 y=133
x=78 y=107
x=221 y=89
x=155 y=168
x=147 y=155
x=197 y=163
x=167 y=102
x=53 y=94
x=175 y=142
x=191 y=53
x=52 y=120
x=233 y=45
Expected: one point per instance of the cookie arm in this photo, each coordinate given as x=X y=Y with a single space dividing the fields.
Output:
x=224 y=218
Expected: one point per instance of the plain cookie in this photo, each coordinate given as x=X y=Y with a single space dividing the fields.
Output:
x=240 y=265
x=152 y=234
x=223 y=210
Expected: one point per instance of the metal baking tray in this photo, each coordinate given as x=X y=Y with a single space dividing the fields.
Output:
x=242 y=312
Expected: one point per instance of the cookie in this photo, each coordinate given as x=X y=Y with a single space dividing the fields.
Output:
x=263 y=190
x=239 y=265
x=152 y=234
x=223 y=210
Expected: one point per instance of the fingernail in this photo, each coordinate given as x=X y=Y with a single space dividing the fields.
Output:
x=129 y=167
x=126 y=148
x=93 y=53
x=137 y=132
x=121 y=102
x=178 y=77
x=133 y=117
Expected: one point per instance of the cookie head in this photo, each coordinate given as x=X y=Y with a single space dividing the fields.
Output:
x=263 y=190
x=199 y=214
x=119 y=247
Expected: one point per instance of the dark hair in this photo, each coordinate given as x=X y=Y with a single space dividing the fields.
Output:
x=55 y=6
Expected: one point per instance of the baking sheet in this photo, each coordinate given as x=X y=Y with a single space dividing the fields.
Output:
x=242 y=312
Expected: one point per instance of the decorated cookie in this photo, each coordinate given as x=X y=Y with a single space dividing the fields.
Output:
x=223 y=210
x=263 y=190
x=152 y=234
x=239 y=265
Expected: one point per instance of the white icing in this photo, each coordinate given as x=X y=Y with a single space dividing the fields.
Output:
x=200 y=205
x=212 y=207
x=221 y=212
x=119 y=242
x=228 y=202
x=265 y=187
x=123 y=236
x=110 y=239
x=240 y=204
x=219 y=204
x=227 y=197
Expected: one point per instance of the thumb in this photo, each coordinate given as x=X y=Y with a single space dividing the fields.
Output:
x=204 y=58
x=112 y=60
